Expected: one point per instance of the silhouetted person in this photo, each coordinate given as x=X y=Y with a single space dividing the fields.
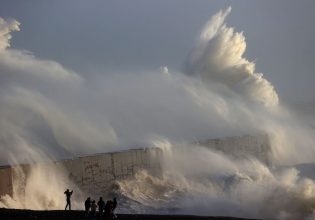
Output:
x=101 y=206
x=68 y=195
x=114 y=206
x=87 y=205
x=109 y=209
x=93 y=209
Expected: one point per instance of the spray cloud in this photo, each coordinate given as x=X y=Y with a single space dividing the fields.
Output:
x=50 y=110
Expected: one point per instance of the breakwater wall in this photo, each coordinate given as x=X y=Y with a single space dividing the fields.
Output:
x=97 y=174
x=94 y=174
x=246 y=146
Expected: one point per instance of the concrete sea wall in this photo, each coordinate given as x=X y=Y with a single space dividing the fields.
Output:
x=94 y=174
x=6 y=181
x=97 y=174
x=242 y=147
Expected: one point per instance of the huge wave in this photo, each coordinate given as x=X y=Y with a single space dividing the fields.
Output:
x=50 y=112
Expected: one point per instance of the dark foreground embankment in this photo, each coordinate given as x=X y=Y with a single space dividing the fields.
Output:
x=16 y=214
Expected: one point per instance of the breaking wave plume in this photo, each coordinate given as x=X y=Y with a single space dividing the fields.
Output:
x=5 y=28
x=218 y=55
x=49 y=112
x=214 y=184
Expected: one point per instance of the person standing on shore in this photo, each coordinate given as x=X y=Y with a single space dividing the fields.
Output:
x=68 y=195
x=108 y=209
x=101 y=206
x=114 y=207
x=87 y=205
x=93 y=210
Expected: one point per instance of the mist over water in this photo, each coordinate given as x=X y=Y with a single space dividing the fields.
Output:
x=214 y=184
x=49 y=112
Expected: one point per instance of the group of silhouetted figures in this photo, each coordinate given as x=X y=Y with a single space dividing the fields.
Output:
x=105 y=210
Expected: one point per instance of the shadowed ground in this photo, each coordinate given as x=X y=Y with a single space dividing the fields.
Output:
x=17 y=214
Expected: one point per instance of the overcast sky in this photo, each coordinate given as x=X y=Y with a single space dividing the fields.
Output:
x=114 y=36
